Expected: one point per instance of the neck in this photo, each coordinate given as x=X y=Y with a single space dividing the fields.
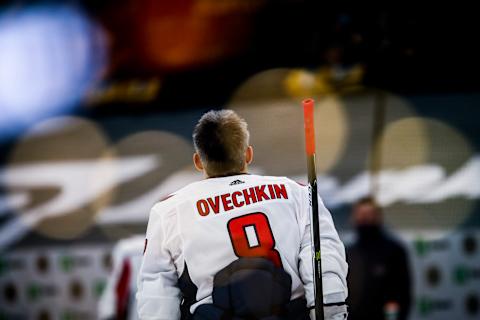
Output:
x=227 y=174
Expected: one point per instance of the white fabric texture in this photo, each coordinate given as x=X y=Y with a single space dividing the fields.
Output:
x=332 y=313
x=192 y=227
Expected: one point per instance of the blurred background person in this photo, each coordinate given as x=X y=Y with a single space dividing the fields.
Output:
x=379 y=277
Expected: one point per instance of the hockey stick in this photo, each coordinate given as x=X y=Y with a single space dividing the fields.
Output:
x=312 y=187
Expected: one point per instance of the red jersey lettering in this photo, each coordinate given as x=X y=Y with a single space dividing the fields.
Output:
x=235 y=201
x=280 y=191
x=249 y=197
x=203 y=208
x=227 y=202
x=261 y=194
x=238 y=199
x=214 y=204
x=272 y=193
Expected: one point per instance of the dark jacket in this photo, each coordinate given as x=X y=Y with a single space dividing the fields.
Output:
x=378 y=273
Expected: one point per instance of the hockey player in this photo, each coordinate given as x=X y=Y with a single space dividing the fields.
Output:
x=206 y=240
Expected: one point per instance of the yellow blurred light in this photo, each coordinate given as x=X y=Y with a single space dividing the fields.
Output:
x=276 y=124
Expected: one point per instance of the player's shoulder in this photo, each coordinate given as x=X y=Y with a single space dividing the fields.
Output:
x=284 y=180
x=291 y=184
x=165 y=203
x=170 y=201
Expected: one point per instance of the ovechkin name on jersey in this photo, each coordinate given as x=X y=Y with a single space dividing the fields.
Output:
x=238 y=199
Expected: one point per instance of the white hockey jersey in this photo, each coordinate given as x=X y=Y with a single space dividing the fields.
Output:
x=205 y=226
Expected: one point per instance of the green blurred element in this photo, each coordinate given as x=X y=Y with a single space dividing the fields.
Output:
x=421 y=246
x=460 y=275
x=33 y=291
x=424 y=306
x=67 y=315
x=66 y=263
x=99 y=287
x=74 y=315
x=3 y=267
x=3 y=316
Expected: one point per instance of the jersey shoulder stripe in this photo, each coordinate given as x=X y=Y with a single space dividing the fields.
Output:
x=165 y=204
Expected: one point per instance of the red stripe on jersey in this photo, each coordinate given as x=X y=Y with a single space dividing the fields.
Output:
x=166 y=197
x=122 y=290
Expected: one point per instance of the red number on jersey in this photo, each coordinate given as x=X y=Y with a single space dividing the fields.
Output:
x=252 y=236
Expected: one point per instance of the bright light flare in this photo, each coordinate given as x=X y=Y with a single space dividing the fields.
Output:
x=49 y=57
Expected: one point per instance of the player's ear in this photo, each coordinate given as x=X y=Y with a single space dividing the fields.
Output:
x=197 y=161
x=249 y=155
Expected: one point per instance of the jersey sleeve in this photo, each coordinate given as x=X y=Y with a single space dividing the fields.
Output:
x=158 y=297
x=334 y=265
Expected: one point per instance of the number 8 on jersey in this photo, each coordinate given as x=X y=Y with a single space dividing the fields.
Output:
x=252 y=236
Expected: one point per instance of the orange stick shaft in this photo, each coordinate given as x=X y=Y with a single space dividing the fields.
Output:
x=309 y=126
x=309 y=122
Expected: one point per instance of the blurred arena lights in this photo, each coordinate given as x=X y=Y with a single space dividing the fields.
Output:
x=49 y=57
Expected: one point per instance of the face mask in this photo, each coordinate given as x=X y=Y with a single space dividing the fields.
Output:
x=368 y=232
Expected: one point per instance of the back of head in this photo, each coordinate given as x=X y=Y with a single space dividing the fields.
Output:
x=221 y=139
